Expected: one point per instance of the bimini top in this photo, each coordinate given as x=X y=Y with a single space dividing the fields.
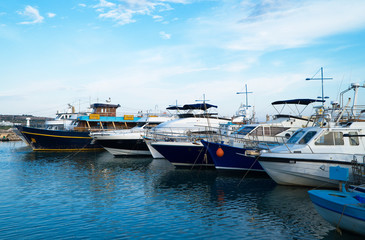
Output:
x=104 y=105
x=197 y=106
x=303 y=101
x=175 y=108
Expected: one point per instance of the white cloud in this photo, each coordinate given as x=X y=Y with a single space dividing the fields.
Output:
x=158 y=18
x=124 y=12
x=33 y=14
x=164 y=35
x=120 y=16
x=105 y=4
x=51 y=15
x=82 y=5
x=278 y=24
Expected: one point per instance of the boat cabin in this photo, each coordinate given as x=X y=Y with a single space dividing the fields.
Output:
x=104 y=117
x=105 y=109
x=316 y=139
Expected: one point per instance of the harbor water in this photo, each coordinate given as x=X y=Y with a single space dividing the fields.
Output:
x=93 y=195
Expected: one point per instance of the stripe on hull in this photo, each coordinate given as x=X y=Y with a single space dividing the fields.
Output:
x=48 y=135
x=53 y=140
x=295 y=160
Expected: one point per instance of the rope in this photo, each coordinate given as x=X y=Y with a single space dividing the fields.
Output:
x=339 y=221
x=205 y=159
x=244 y=176
x=76 y=152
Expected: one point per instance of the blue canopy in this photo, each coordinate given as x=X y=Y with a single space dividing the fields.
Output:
x=199 y=106
x=303 y=101
x=105 y=105
x=175 y=108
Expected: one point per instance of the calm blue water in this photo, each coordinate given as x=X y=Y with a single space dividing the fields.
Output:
x=97 y=196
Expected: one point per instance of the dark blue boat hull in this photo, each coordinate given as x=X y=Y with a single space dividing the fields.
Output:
x=185 y=156
x=233 y=158
x=128 y=144
x=53 y=140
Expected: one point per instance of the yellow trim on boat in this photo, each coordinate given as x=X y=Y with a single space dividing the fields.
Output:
x=47 y=135
x=69 y=150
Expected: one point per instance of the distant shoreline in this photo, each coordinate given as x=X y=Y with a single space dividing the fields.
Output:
x=9 y=135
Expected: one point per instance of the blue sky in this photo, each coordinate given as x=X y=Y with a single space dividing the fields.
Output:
x=149 y=54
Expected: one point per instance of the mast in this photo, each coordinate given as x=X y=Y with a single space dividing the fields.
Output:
x=245 y=92
x=321 y=78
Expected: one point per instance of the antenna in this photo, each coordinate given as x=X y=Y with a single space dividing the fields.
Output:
x=176 y=105
x=204 y=100
x=245 y=92
x=322 y=78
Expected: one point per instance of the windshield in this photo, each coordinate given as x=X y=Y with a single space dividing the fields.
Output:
x=296 y=136
x=245 y=130
x=307 y=137
x=303 y=136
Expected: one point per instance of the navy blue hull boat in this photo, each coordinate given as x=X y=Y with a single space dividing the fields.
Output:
x=43 y=139
x=184 y=154
x=76 y=137
x=231 y=158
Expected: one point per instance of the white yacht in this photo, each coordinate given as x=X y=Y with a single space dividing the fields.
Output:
x=65 y=120
x=255 y=136
x=306 y=157
x=127 y=142
x=181 y=136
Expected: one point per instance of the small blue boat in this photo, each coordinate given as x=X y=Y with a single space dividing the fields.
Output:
x=343 y=209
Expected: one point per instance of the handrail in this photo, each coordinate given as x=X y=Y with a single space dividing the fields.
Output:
x=340 y=116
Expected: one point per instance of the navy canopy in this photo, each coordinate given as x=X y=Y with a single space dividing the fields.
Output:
x=305 y=101
x=199 y=106
x=104 y=105
x=175 y=108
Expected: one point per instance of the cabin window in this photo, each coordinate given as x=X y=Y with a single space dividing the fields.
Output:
x=307 y=137
x=273 y=131
x=331 y=138
x=296 y=136
x=354 y=139
x=258 y=131
x=338 y=136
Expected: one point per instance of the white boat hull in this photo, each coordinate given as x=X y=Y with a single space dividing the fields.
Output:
x=123 y=143
x=153 y=151
x=302 y=173
x=126 y=152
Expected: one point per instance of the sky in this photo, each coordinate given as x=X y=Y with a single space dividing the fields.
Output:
x=148 y=54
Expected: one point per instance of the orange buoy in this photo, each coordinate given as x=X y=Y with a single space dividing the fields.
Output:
x=219 y=152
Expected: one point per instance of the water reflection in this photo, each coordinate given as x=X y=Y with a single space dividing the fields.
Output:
x=100 y=196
